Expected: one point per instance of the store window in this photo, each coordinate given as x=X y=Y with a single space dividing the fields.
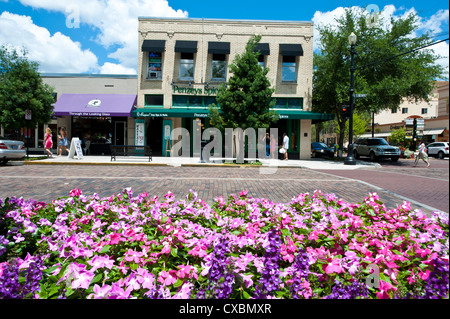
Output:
x=154 y=100
x=183 y=101
x=219 y=67
x=289 y=72
x=261 y=61
x=154 y=71
x=187 y=66
x=288 y=103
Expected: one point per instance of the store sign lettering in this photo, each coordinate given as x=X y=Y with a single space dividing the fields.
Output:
x=194 y=91
x=89 y=114
x=142 y=114
x=281 y=116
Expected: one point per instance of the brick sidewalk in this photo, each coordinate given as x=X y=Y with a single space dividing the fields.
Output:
x=45 y=183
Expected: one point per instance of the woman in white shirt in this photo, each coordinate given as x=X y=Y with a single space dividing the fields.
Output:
x=285 y=146
x=422 y=154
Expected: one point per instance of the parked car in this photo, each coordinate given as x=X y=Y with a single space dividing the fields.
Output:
x=375 y=148
x=321 y=150
x=10 y=149
x=438 y=149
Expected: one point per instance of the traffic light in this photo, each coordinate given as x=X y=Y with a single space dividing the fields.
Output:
x=345 y=111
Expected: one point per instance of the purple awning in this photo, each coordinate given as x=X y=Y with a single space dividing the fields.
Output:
x=95 y=105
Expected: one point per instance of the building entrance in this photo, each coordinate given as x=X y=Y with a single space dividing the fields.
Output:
x=154 y=135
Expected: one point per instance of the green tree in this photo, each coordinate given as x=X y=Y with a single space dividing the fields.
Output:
x=245 y=101
x=398 y=137
x=21 y=88
x=360 y=123
x=385 y=84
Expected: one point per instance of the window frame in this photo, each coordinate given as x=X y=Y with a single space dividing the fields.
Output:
x=155 y=62
x=186 y=61
x=213 y=62
x=284 y=66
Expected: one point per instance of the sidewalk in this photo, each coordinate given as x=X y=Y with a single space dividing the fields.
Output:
x=189 y=161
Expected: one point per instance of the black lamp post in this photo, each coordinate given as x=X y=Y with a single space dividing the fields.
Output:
x=349 y=159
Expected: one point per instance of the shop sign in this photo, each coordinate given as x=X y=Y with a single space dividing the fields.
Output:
x=89 y=114
x=195 y=91
x=201 y=115
x=145 y=114
x=283 y=116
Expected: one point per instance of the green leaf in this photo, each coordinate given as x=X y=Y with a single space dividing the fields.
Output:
x=286 y=232
x=178 y=283
x=245 y=294
x=105 y=249
x=174 y=251
x=69 y=291
x=96 y=278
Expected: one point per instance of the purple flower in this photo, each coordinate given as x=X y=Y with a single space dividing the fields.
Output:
x=270 y=279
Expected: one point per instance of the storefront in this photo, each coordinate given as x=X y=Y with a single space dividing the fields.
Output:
x=98 y=120
x=158 y=123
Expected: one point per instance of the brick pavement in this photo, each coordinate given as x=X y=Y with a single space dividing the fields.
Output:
x=429 y=186
x=45 y=182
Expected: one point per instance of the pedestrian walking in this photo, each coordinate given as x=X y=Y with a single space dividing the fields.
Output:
x=273 y=144
x=62 y=140
x=267 y=140
x=285 y=146
x=422 y=154
x=48 y=143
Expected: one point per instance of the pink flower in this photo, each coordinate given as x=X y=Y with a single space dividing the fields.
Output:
x=100 y=292
x=166 y=278
x=100 y=262
x=334 y=267
x=385 y=287
x=199 y=251
x=82 y=280
x=75 y=192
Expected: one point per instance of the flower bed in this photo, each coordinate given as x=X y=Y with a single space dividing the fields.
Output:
x=125 y=246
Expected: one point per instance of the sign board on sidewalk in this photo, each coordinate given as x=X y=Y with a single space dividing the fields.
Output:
x=75 y=146
x=28 y=115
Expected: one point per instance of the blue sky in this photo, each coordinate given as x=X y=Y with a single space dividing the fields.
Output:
x=100 y=36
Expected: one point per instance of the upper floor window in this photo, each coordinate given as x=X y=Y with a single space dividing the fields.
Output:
x=424 y=111
x=404 y=110
x=187 y=66
x=154 y=70
x=289 y=72
x=261 y=61
x=394 y=111
x=219 y=67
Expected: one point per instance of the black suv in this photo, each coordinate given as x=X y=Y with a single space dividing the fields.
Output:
x=375 y=148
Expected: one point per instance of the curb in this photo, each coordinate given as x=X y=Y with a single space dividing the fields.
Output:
x=94 y=164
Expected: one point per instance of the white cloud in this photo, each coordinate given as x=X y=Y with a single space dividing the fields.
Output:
x=113 y=68
x=116 y=21
x=55 y=53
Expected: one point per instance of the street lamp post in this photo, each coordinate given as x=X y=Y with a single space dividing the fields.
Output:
x=349 y=159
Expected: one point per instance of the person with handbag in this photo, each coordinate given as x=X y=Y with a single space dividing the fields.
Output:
x=421 y=154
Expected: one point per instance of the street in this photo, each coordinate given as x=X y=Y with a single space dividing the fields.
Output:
x=426 y=189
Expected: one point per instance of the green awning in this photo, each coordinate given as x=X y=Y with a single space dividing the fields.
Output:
x=304 y=115
x=203 y=113
x=162 y=112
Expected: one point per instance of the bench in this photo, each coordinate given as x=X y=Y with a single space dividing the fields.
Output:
x=127 y=150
